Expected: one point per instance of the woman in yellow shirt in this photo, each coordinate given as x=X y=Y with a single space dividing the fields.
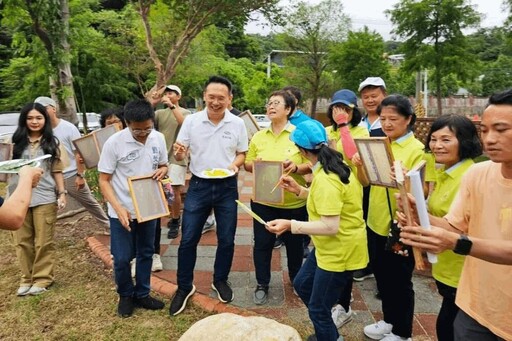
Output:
x=453 y=141
x=336 y=226
x=393 y=272
x=345 y=118
x=273 y=144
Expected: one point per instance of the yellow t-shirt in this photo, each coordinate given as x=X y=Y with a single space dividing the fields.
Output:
x=267 y=146
x=409 y=150
x=483 y=209
x=355 y=132
x=328 y=196
x=430 y=167
x=449 y=264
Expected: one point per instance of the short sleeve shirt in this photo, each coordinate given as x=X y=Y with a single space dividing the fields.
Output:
x=409 y=150
x=328 y=196
x=212 y=146
x=66 y=133
x=122 y=157
x=483 y=209
x=449 y=264
x=269 y=147
x=169 y=127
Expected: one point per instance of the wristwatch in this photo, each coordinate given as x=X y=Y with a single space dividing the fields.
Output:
x=463 y=246
x=80 y=175
x=63 y=192
x=172 y=107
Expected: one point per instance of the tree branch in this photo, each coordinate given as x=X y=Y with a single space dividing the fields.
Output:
x=144 y=7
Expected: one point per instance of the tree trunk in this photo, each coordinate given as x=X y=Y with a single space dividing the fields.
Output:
x=439 y=93
x=314 y=102
x=66 y=102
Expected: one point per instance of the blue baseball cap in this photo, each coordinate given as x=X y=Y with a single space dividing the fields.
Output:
x=309 y=134
x=346 y=97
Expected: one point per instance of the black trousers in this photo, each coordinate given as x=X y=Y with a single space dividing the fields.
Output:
x=264 y=241
x=448 y=312
x=467 y=328
x=393 y=274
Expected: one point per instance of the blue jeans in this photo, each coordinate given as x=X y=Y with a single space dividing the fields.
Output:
x=126 y=245
x=319 y=290
x=203 y=195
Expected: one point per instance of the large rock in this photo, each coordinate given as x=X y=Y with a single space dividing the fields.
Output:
x=232 y=327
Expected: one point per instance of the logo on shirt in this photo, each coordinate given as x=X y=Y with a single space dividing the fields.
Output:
x=132 y=156
x=227 y=135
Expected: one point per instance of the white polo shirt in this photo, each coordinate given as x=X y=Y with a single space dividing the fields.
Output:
x=212 y=146
x=122 y=156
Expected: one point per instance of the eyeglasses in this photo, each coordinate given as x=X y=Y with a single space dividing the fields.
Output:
x=139 y=132
x=273 y=104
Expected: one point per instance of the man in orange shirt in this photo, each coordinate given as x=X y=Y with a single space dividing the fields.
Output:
x=479 y=224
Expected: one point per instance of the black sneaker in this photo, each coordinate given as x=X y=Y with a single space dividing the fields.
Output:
x=261 y=294
x=149 y=303
x=278 y=243
x=179 y=302
x=361 y=275
x=174 y=228
x=224 y=292
x=125 y=306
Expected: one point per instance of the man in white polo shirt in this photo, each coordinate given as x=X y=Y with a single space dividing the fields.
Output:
x=216 y=139
x=136 y=150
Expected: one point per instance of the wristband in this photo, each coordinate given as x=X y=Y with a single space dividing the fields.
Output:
x=342 y=125
x=172 y=107
x=63 y=192
x=80 y=175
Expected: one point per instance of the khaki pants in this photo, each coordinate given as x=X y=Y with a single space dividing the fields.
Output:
x=35 y=247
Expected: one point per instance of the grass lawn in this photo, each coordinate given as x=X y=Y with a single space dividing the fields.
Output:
x=82 y=303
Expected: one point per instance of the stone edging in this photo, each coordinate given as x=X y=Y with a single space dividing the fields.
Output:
x=167 y=288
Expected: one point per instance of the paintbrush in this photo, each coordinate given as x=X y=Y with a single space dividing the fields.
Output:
x=280 y=180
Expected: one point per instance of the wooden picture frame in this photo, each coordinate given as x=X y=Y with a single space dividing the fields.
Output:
x=103 y=134
x=87 y=147
x=90 y=146
x=250 y=123
x=5 y=154
x=148 y=198
x=377 y=158
x=266 y=175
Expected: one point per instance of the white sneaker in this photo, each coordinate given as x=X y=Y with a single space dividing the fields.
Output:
x=378 y=331
x=393 y=337
x=340 y=316
x=36 y=290
x=132 y=266
x=23 y=290
x=157 y=263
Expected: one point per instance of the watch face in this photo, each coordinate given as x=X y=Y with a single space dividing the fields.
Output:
x=463 y=246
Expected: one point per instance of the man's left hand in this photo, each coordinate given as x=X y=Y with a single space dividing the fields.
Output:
x=79 y=182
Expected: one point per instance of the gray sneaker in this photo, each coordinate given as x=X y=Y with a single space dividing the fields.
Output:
x=260 y=294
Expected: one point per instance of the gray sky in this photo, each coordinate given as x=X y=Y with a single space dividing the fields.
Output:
x=371 y=14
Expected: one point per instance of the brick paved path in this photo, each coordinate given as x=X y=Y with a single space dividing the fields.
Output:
x=282 y=303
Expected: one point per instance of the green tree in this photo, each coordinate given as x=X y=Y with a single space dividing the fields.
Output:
x=49 y=21
x=497 y=76
x=360 y=56
x=310 y=33
x=187 y=19
x=432 y=30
